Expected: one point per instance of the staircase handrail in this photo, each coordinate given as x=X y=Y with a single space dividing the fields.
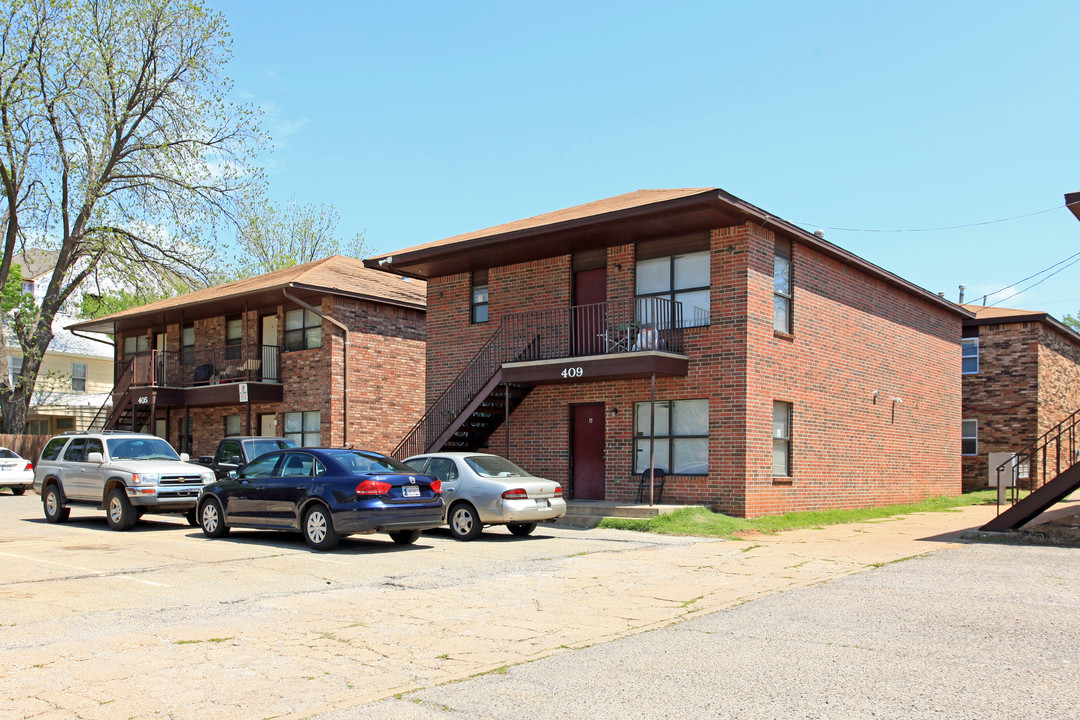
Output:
x=1041 y=444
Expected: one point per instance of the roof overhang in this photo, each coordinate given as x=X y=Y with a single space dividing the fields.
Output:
x=709 y=209
x=1039 y=317
x=1072 y=201
x=224 y=305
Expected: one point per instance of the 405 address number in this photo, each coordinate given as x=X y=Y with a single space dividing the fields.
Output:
x=573 y=372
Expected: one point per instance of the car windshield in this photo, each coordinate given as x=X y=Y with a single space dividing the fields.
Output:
x=258 y=447
x=362 y=462
x=493 y=466
x=148 y=448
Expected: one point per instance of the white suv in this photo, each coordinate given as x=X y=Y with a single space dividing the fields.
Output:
x=123 y=473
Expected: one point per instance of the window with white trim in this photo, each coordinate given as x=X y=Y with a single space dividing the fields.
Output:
x=234 y=425
x=480 y=297
x=78 y=377
x=681 y=441
x=781 y=439
x=969 y=354
x=969 y=437
x=304 y=428
x=14 y=369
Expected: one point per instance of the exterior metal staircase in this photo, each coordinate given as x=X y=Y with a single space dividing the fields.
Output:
x=1052 y=468
x=124 y=413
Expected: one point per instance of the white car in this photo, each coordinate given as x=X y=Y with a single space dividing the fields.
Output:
x=16 y=472
x=481 y=489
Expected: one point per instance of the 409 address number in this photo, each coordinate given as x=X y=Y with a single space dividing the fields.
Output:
x=572 y=372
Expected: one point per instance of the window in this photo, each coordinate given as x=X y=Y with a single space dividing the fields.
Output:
x=782 y=287
x=261 y=467
x=228 y=450
x=41 y=427
x=78 y=377
x=62 y=423
x=76 y=451
x=678 y=278
x=969 y=353
x=969 y=437
x=234 y=334
x=136 y=344
x=28 y=287
x=186 y=431
x=14 y=369
x=443 y=468
x=681 y=439
x=53 y=448
x=303 y=330
x=187 y=345
x=234 y=425
x=480 y=296
x=781 y=443
x=303 y=428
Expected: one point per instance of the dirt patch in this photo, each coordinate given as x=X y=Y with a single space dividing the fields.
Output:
x=1063 y=532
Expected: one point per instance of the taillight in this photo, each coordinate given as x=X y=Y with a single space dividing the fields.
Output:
x=373 y=487
x=29 y=466
x=436 y=486
x=515 y=494
x=558 y=491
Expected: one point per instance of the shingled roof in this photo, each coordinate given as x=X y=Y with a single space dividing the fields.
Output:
x=335 y=275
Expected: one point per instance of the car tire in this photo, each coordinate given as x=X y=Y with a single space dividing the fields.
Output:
x=18 y=490
x=55 y=512
x=192 y=517
x=404 y=537
x=318 y=528
x=212 y=519
x=464 y=522
x=521 y=529
x=119 y=511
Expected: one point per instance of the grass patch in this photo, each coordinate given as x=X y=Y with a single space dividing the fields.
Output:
x=701 y=522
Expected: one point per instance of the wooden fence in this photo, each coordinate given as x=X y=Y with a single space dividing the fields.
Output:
x=29 y=446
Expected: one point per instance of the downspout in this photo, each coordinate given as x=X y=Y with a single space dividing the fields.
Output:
x=110 y=343
x=344 y=359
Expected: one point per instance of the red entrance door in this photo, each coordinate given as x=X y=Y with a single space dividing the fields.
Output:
x=590 y=294
x=587 y=427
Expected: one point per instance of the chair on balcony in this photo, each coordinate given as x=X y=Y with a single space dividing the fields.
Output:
x=203 y=373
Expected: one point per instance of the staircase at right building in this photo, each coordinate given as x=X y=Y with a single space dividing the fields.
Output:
x=1049 y=468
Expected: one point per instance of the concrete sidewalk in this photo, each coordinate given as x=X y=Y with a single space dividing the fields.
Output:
x=249 y=629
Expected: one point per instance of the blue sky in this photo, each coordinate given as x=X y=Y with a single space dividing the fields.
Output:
x=423 y=120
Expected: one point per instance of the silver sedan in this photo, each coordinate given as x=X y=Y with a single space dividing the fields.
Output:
x=482 y=489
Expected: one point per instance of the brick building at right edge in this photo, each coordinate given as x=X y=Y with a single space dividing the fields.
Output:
x=789 y=373
x=1021 y=377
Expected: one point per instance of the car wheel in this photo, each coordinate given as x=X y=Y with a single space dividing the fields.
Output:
x=213 y=519
x=192 y=517
x=404 y=537
x=464 y=522
x=55 y=512
x=319 y=528
x=119 y=511
x=521 y=529
x=18 y=490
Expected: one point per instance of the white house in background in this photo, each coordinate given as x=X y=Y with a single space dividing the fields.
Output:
x=76 y=375
x=75 y=380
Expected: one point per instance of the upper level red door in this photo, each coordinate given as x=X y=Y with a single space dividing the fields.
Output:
x=589 y=321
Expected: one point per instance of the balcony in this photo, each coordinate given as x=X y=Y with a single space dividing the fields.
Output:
x=213 y=376
x=622 y=339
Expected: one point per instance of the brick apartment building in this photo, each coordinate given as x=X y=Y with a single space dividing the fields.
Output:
x=1021 y=377
x=788 y=374
x=328 y=353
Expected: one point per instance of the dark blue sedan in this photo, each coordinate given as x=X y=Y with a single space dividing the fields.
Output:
x=325 y=494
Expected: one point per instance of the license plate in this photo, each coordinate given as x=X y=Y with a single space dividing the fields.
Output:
x=542 y=504
x=410 y=491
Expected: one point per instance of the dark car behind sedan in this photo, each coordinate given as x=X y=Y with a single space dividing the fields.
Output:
x=325 y=494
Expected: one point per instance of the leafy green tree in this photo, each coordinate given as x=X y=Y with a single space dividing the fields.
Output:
x=1072 y=321
x=118 y=150
x=273 y=237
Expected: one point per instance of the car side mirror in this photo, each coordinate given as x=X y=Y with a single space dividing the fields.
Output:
x=232 y=474
x=235 y=459
x=184 y=457
x=95 y=457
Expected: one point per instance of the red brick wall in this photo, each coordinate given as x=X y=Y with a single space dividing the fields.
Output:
x=1003 y=395
x=1059 y=377
x=852 y=336
x=386 y=381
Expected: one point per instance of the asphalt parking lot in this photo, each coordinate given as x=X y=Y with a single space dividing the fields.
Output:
x=162 y=622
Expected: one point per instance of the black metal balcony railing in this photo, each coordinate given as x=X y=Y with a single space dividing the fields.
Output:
x=168 y=368
x=622 y=326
